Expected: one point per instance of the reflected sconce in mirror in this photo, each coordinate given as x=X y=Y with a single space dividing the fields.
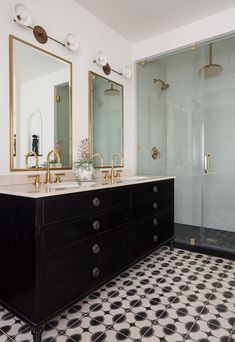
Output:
x=102 y=60
x=22 y=16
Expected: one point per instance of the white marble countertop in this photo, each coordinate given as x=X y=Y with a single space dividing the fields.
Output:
x=68 y=187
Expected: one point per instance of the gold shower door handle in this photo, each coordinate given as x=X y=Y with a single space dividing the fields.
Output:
x=207 y=162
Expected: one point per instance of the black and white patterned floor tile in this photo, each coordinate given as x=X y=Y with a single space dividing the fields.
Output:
x=178 y=296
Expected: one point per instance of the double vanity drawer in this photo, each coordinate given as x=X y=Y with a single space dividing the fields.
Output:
x=151 y=241
x=73 y=231
x=153 y=223
x=152 y=231
x=89 y=258
x=151 y=206
x=107 y=251
x=81 y=267
x=153 y=189
x=61 y=208
x=150 y=198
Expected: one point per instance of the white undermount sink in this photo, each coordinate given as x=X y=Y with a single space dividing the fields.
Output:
x=134 y=178
x=71 y=185
x=64 y=185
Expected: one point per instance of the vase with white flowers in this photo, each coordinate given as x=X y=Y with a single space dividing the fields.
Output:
x=84 y=168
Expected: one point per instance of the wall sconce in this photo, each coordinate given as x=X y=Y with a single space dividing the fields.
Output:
x=71 y=42
x=23 y=17
x=102 y=60
x=127 y=72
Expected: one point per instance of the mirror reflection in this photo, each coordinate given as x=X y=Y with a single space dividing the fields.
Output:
x=106 y=120
x=40 y=107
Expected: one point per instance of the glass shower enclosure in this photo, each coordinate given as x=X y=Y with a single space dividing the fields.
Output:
x=186 y=109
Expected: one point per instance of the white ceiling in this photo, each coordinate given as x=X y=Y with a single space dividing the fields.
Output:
x=140 y=19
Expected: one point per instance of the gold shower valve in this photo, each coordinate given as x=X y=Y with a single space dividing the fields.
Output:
x=155 y=153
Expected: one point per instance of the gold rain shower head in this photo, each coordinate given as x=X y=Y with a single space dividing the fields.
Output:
x=163 y=85
x=211 y=69
x=112 y=91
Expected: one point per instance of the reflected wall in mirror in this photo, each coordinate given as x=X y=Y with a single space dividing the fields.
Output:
x=106 y=119
x=40 y=107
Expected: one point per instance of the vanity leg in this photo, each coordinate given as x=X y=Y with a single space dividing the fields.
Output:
x=37 y=334
x=172 y=245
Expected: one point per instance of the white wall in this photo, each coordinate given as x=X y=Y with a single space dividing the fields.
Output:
x=204 y=29
x=59 y=17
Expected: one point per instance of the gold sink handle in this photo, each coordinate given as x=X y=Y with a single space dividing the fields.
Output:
x=37 y=180
x=58 y=177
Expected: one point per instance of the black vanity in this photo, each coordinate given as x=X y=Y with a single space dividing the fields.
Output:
x=57 y=248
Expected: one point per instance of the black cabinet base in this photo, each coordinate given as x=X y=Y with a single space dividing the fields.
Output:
x=62 y=239
x=37 y=333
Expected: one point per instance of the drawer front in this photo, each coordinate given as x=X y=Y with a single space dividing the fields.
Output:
x=151 y=241
x=108 y=251
x=71 y=206
x=153 y=205
x=153 y=189
x=153 y=223
x=77 y=259
x=57 y=295
x=67 y=233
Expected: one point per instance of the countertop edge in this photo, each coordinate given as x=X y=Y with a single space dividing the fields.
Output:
x=4 y=190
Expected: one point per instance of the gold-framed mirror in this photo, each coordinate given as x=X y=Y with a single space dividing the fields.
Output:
x=106 y=120
x=40 y=108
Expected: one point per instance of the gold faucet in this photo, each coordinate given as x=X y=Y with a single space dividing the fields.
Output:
x=29 y=154
x=48 y=175
x=112 y=169
x=101 y=157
